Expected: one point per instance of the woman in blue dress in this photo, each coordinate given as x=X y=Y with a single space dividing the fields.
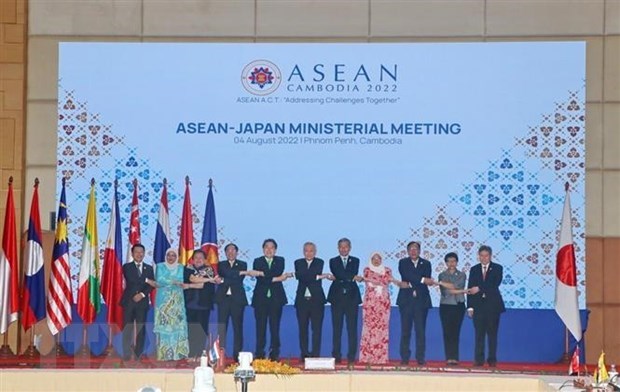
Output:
x=170 y=321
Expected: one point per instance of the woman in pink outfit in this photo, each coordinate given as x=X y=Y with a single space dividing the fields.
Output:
x=376 y=312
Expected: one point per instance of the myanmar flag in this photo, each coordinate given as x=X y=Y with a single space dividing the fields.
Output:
x=89 y=298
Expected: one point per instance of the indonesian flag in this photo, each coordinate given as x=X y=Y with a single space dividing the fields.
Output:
x=9 y=296
x=573 y=368
x=60 y=296
x=186 y=243
x=209 y=231
x=134 y=222
x=89 y=298
x=112 y=275
x=33 y=295
x=566 y=305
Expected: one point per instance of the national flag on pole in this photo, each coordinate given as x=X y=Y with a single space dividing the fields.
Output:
x=602 y=369
x=134 y=222
x=162 y=233
x=89 y=298
x=209 y=231
x=186 y=242
x=112 y=275
x=214 y=353
x=566 y=304
x=9 y=295
x=573 y=368
x=60 y=296
x=33 y=294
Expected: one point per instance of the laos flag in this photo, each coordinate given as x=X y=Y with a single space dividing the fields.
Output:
x=33 y=295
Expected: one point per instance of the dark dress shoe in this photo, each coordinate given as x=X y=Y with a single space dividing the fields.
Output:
x=421 y=362
x=404 y=362
x=478 y=364
x=493 y=364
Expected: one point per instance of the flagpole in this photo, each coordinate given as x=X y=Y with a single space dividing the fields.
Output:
x=31 y=351
x=110 y=275
x=58 y=349
x=109 y=350
x=566 y=310
x=566 y=358
x=5 y=350
x=84 y=350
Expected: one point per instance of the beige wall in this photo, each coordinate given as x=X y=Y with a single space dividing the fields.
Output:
x=12 y=108
x=595 y=21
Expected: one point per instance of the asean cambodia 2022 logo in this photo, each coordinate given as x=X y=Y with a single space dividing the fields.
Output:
x=261 y=77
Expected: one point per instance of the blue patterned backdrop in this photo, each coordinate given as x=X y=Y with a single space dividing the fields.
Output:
x=514 y=198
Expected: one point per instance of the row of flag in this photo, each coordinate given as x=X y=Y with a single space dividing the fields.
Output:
x=93 y=284
x=33 y=304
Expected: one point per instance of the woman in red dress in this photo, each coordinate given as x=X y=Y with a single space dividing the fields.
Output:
x=376 y=312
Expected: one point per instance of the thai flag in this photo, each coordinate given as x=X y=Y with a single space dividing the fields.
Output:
x=33 y=296
x=214 y=353
x=162 y=231
x=209 y=231
x=162 y=234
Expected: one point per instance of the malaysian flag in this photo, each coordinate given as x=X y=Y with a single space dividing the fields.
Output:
x=60 y=295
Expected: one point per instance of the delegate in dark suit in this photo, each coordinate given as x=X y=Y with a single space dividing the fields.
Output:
x=268 y=300
x=135 y=301
x=231 y=301
x=413 y=303
x=487 y=305
x=309 y=304
x=344 y=296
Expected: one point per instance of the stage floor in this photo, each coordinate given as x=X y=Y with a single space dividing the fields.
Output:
x=96 y=362
x=131 y=380
x=111 y=374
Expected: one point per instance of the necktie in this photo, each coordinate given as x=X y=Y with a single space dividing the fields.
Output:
x=484 y=272
x=269 y=261
x=344 y=262
x=232 y=264
x=139 y=266
x=307 y=292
